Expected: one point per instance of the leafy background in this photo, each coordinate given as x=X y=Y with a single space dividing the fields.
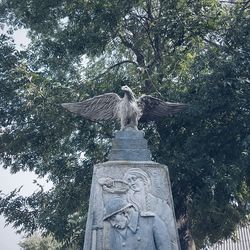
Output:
x=186 y=51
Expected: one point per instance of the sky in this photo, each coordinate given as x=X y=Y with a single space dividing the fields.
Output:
x=8 y=182
x=20 y=37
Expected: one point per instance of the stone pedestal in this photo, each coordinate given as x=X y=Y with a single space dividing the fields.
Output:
x=130 y=204
x=130 y=145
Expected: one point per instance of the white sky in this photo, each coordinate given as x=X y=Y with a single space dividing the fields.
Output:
x=8 y=182
x=20 y=37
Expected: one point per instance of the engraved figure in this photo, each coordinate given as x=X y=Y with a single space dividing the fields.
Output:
x=111 y=185
x=128 y=109
x=139 y=195
x=133 y=230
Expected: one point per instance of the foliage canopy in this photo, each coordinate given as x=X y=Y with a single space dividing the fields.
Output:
x=196 y=52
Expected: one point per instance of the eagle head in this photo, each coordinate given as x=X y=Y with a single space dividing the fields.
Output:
x=126 y=89
x=128 y=92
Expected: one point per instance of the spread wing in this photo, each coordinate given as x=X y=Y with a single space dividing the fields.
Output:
x=154 y=108
x=102 y=107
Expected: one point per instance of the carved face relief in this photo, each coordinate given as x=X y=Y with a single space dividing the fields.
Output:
x=136 y=183
x=137 y=179
x=119 y=220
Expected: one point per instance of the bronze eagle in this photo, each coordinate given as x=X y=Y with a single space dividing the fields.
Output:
x=128 y=109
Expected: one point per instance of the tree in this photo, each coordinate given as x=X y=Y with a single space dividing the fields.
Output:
x=165 y=48
x=213 y=152
x=36 y=242
x=42 y=242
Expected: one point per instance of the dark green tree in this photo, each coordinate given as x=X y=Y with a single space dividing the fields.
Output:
x=194 y=52
x=209 y=155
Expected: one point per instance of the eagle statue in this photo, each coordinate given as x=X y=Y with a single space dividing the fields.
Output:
x=128 y=109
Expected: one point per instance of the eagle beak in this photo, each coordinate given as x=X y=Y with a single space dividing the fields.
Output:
x=124 y=88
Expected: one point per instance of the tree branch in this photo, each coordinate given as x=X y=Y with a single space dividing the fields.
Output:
x=113 y=66
x=211 y=42
x=230 y=2
x=139 y=55
x=148 y=34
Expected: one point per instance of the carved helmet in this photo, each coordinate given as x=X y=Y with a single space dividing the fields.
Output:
x=114 y=206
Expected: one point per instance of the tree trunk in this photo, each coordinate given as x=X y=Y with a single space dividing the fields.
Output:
x=186 y=238
x=187 y=242
x=191 y=244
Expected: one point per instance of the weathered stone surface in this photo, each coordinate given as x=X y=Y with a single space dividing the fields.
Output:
x=129 y=145
x=144 y=189
x=128 y=109
x=130 y=204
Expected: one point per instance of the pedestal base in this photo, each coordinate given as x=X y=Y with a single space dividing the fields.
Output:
x=129 y=145
x=131 y=208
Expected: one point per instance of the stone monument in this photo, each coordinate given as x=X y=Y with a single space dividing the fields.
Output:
x=130 y=204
